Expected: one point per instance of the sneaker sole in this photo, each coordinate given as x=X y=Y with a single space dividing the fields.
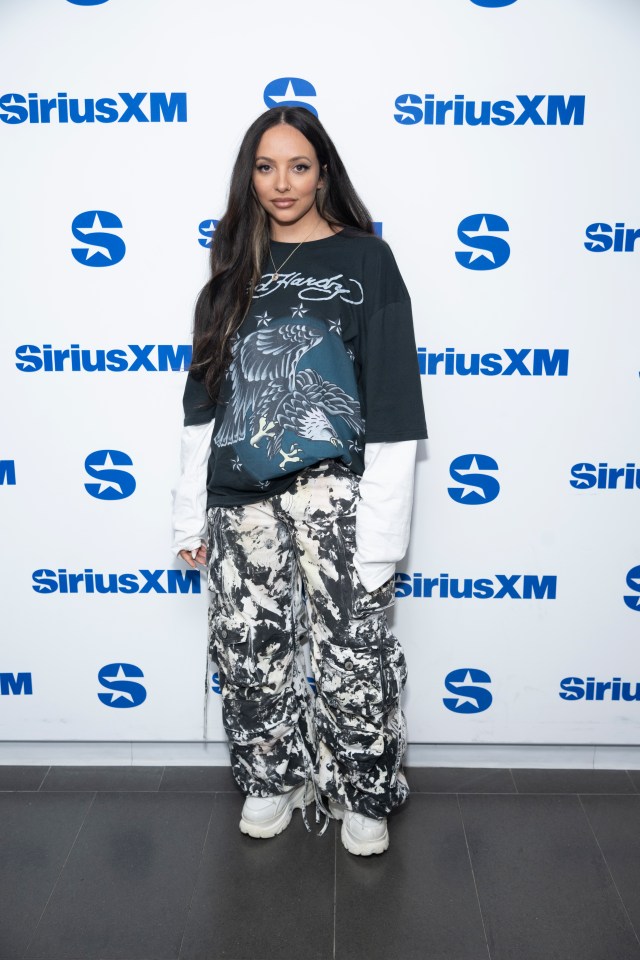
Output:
x=271 y=828
x=360 y=848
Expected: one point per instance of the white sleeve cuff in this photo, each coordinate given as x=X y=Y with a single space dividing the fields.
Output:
x=189 y=514
x=383 y=514
x=373 y=575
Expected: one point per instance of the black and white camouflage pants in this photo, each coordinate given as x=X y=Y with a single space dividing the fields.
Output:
x=280 y=572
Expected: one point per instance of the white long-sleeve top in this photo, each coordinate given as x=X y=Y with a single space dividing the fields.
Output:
x=383 y=514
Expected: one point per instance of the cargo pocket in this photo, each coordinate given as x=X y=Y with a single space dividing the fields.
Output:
x=359 y=601
x=365 y=676
x=231 y=647
x=351 y=680
x=393 y=669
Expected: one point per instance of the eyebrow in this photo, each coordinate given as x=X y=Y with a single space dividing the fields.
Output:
x=291 y=159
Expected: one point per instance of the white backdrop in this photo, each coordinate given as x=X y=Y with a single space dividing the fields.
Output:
x=503 y=232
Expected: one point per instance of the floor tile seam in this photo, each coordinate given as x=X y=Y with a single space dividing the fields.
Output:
x=44 y=776
x=528 y=793
x=636 y=789
x=164 y=770
x=473 y=875
x=197 y=876
x=608 y=868
x=60 y=872
x=479 y=793
x=114 y=790
x=534 y=793
x=117 y=790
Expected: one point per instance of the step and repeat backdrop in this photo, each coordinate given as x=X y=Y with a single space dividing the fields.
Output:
x=495 y=143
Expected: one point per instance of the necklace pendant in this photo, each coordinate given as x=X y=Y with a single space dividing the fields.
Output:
x=276 y=276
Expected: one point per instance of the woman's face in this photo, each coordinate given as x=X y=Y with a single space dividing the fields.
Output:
x=286 y=176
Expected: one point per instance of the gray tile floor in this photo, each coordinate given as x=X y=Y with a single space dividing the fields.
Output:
x=147 y=863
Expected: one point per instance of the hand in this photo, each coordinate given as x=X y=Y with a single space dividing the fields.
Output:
x=200 y=557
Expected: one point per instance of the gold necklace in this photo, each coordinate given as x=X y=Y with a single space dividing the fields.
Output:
x=276 y=270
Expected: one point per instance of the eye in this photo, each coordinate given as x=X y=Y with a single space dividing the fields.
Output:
x=262 y=167
x=301 y=167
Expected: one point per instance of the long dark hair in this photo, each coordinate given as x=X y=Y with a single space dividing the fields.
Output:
x=241 y=240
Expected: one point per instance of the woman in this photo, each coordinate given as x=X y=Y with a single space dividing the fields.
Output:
x=303 y=407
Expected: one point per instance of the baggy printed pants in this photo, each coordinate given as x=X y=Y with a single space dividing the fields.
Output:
x=281 y=571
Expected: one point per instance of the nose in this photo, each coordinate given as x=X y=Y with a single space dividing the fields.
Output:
x=282 y=182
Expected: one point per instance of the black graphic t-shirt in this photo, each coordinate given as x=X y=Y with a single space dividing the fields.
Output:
x=324 y=362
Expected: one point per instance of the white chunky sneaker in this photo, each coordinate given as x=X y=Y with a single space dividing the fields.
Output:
x=267 y=816
x=359 y=834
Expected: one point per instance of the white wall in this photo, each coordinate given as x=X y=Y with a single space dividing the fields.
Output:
x=548 y=182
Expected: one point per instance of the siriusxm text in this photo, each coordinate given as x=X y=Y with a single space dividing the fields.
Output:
x=603 y=237
x=8 y=472
x=527 y=362
x=142 y=581
x=156 y=107
x=540 y=110
x=15 y=684
x=516 y=586
x=153 y=357
x=579 y=688
x=604 y=477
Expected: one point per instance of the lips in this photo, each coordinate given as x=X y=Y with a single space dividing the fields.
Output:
x=283 y=203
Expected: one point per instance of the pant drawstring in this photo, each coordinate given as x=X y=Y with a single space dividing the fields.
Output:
x=206 y=691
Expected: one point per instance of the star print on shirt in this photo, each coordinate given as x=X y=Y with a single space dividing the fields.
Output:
x=298 y=311
x=263 y=318
x=355 y=445
x=335 y=326
x=236 y=464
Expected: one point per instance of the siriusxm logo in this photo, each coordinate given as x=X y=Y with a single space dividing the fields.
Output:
x=290 y=92
x=114 y=484
x=528 y=362
x=8 y=473
x=476 y=487
x=499 y=587
x=459 y=111
x=215 y=682
x=577 y=688
x=103 y=249
x=488 y=251
x=143 y=581
x=468 y=697
x=603 y=477
x=493 y=3
x=633 y=582
x=603 y=237
x=152 y=357
x=123 y=692
x=159 y=107
x=15 y=684
x=207 y=228
x=95 y=3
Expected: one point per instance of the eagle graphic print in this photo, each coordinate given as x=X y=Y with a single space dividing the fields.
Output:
x=293 y=397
